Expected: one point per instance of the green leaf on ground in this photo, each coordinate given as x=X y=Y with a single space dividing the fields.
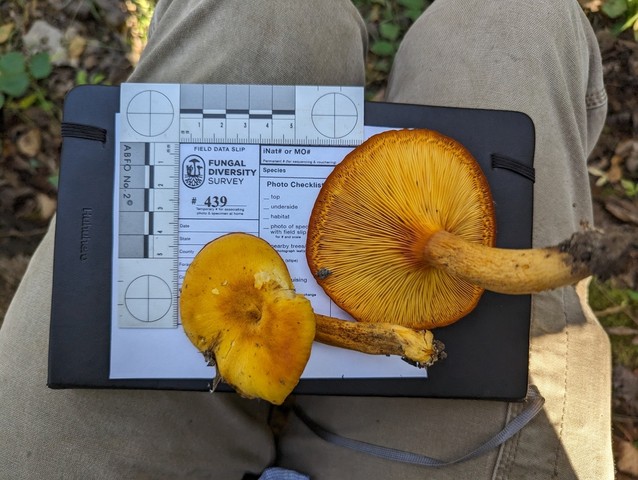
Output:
x=14 y=84
x=614 y=8
x=414 y=4
x=383 y=48
x=390 y=31
x=40 y=65
x=12 y=62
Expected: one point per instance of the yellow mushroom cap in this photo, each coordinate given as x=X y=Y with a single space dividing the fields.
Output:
x=372 y=220
x=239 y=308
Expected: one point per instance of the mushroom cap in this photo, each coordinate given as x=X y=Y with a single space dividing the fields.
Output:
x=239 y=308
x=370 y=225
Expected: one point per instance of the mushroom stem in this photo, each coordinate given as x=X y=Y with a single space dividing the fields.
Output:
x=417 y=347
x=526 y=271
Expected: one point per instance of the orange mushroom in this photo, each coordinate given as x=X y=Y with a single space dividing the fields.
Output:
x=239 y=308
x=403 y=229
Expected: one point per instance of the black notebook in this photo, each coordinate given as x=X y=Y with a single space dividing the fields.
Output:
x=487 y=351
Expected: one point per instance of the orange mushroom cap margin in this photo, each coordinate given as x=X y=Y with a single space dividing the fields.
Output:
x=239 y=308
x=369 y=228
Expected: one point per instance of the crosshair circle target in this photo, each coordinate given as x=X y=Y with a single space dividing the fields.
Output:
x=150 y=113
x=148 y=298
x=334 y=115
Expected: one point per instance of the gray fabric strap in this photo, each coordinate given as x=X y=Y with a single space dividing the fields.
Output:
x=534 y=404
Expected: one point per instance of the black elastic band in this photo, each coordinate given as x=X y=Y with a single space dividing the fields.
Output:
x=87 y=132
x=501 y=161
x=534 y=404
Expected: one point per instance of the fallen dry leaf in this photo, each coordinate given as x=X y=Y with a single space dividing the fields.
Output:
x=622 y=331
x=29 y=143
x=46 y=206
x=625 y=147
x=626 y=389
x=627 y=457
x=5 y=31
x=624 y=210
x=591 y=5
x=76 y=47
x=615 y=172
x=613 y=310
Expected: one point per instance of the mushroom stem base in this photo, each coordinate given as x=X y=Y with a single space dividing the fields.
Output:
x=417 y=347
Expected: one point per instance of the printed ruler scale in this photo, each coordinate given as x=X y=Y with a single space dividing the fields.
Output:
x=175 y=138
x=148 y=233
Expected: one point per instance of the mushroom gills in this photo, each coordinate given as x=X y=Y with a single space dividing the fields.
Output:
x=374 y=216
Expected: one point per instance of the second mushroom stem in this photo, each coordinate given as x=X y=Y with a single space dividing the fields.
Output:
x=417 y=347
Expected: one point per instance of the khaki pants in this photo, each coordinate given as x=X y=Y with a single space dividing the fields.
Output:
x=537 y=57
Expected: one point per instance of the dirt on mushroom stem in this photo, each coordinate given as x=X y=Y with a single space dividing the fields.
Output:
x=604 y=253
